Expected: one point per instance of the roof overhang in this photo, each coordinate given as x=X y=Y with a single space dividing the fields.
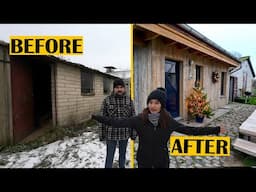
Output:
x=181 y=36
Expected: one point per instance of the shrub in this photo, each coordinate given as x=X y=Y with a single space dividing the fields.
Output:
x=198 y=105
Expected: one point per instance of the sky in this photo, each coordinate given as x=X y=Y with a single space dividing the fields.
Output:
x=109 y=44
x=239 y=38
x=104 y=44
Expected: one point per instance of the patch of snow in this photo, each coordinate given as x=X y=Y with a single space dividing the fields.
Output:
x=85 y=151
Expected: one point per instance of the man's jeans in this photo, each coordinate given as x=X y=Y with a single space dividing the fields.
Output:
x=111 y=148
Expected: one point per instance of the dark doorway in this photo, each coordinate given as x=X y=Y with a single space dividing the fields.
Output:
x=42 y=93
x=172 y=87
x=232 y=89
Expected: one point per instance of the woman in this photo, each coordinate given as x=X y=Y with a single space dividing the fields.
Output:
x=154 y=127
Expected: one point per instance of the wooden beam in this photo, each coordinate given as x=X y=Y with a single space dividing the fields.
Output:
x=212 y=58
x=204 y=55
x=193 y=51
x=172 y=43
x=150 y=36
x=180 y=46
x=138 y=41
x=185 y=48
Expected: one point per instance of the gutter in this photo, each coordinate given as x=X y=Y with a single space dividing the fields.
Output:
x=54 y=65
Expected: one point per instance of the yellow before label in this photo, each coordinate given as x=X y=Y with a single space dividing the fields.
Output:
x=46 y=45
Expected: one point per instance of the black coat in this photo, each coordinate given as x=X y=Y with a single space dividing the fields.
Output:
x=153 y=149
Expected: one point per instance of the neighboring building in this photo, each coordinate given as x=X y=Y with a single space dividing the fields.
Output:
x=254 y=87
x=177 y=57
x=42 y=90
x=242 y=76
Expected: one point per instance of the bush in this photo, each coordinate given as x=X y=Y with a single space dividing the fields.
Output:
x=249 y=161
x=252 y=101
x=240 y=100
x=198 y=105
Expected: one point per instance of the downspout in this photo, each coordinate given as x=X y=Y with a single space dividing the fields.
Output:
x=55 y=93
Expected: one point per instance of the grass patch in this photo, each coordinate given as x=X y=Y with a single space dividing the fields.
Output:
x=252 y=101
x=249 y=161
x=246 y=160
x=51 y=135
x=249 y=100
x=90 y=123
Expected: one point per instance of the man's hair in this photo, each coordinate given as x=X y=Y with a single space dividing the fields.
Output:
x=118 y=82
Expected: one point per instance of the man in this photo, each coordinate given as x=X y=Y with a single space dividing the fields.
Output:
x=118 y=104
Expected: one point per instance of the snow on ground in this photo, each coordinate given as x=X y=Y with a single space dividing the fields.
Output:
x=85 y=151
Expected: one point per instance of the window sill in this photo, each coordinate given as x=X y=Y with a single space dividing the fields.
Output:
x=88 y=94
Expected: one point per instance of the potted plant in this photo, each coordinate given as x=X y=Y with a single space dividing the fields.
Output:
x=198 y=106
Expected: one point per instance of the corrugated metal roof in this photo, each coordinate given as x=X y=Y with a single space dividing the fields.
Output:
x=3 y=43
x=57 y=59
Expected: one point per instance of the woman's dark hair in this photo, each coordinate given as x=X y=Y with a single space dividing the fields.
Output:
x=163 y=120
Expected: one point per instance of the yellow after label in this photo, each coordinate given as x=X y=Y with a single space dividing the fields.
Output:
x=46 y=45
x=199 y=146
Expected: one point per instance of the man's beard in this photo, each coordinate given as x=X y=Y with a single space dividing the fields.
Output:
x=119 y=94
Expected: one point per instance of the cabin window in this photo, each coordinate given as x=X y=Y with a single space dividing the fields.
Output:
x=223 y=84
x=199 y=79
x=106 y=85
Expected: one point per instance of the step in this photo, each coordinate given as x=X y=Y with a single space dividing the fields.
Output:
x=248 y=128
x=245 y=146
x=250 y=121
x=253 y=115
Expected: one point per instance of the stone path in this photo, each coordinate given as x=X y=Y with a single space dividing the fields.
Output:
x=231 y=117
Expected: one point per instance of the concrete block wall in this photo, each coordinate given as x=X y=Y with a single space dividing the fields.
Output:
x=72 y=106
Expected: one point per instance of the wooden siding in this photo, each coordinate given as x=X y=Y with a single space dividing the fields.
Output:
x=5 y=98
x=142 y=76
x=149 y=62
